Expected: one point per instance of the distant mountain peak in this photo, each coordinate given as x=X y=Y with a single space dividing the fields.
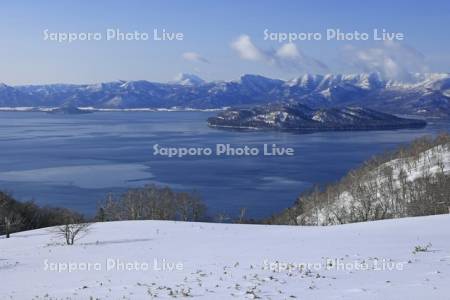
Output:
x=188 y=79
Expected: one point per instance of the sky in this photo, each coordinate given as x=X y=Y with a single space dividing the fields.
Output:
x=222 y=39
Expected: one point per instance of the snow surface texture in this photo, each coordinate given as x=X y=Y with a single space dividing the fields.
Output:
x=226 y=261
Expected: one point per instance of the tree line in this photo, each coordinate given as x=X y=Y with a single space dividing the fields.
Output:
x=152 y=203
x=147 y=203
x=19 y=216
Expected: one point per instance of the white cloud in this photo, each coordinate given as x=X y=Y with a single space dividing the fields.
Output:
x=245 y=48
x=391 y=59
x=287 y=57
x=194 y=57
x=288 y=51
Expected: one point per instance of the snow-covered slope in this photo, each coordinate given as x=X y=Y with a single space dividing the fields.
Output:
x=427 y=163
x=224 y=261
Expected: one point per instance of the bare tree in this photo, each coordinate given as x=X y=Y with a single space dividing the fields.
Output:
x=222 y=217
x=242 y=212
x=72 y=232
x=74 y=227
x=11 y=221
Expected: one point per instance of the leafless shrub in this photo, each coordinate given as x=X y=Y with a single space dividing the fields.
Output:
x=73 y=228
x=72 y=232
x=10 y=220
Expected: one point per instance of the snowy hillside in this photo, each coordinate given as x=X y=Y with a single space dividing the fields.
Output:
x=429 y=162
x=392 y=259
x=398 y=176
x=413 y=180
x=402 y=258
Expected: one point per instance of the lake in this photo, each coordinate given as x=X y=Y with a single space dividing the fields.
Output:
x=75 y=160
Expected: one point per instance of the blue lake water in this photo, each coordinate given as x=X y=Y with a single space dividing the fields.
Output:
x=75 y=160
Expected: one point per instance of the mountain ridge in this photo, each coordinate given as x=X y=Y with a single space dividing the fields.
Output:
x=426 y=94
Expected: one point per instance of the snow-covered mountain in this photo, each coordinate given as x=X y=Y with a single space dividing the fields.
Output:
x=425 y=94
x=391 y=259
x=323 y=82
x=188 y=79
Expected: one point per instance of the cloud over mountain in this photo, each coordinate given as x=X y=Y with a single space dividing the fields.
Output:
x=287 y=57
x=391 y=59
x=246 y=49
x=194 y=57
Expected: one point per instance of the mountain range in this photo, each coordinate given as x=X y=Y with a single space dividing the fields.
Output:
x=425 y=94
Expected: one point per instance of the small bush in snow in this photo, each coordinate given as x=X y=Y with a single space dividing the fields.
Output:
x=420 y=248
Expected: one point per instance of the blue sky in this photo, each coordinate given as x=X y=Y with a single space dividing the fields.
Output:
x=222 y=39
